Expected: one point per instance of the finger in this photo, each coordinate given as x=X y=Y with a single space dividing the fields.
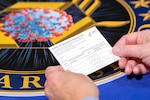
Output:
x=47 y=90
x=57 y=67
x=122 y=63
x=51 y=69
x=129 y=66
x=128 y=70
x=48 y=94
x=128 y=51
x=140 y=69
x=60 y=68
x=131 y=38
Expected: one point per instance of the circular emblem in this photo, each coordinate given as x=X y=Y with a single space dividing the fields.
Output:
x=24 y=53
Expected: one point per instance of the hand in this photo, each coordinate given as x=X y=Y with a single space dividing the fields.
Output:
x=65 y=85
x=134 y=50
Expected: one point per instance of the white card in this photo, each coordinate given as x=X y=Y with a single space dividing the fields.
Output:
x=84 y=53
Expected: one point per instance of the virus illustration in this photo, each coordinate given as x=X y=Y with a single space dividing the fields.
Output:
x=36 y=24
x=32 y=28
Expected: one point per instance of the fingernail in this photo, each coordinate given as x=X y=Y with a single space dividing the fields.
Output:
x=116 y=49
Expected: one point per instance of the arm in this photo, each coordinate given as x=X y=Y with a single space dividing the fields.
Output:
x=66 y=85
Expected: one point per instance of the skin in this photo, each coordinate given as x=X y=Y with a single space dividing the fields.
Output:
x=134 y=52
x=66 y=85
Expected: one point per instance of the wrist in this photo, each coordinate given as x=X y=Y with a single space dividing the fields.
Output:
x=90 y=98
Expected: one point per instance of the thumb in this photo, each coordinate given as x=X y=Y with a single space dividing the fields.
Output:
x=128 y=50
x=51 y=69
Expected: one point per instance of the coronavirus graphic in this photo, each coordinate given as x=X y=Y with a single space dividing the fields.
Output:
x=32 y=29
x=36 y=24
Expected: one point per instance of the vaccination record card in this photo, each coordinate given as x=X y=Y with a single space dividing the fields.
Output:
x=85 y=52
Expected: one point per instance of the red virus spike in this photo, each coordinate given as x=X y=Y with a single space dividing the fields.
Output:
x=7 y=34
x=61 y=17
x=10 y=20
x=70 y=24
x=41 y=16
x=29 y=17
x=16 y=35
x=44 y=40
x=2 y=30
x=52 y=29
x=49 y=38
x=40 y=22
x=46 y=10
x=2 y=26
x=17 y=27
x=26 y=10
x=56 y=33
x=35 y=9
x=69 y=18
x=5 y=18
x=27 y=31
x=31 y=35
x=63 y=13
x=59 y=34
x=13 y=14
x=24 y=24
x=24 y=40
x=27 y=40
x=59 y=23
x=13 y=37
x=32 y=41
x=10 y=25
x=23 y=12
x=57 y=10
x=45 y=26
x=65 y=28
x=39 y=38
x=20 y=40
x=51 y=17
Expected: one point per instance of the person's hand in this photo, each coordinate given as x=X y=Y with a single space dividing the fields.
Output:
x=66 y=85
x=134 y=52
